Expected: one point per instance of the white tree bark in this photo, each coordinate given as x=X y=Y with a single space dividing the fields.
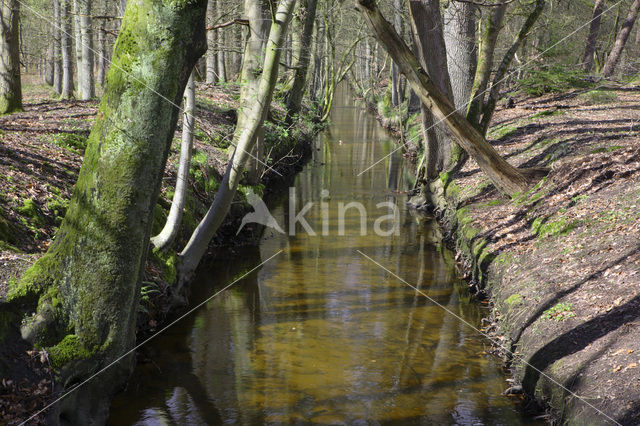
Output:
x=174 y=220
x=460 y=39
x=65 y=41
x=86 y=84
x=57 y=51
x=206 y=229
x=212 y=59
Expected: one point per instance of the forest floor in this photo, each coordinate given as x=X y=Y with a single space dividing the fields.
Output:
x=41 y=151
x=563 y=259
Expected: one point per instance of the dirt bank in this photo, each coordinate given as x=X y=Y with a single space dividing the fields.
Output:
x=561 y=263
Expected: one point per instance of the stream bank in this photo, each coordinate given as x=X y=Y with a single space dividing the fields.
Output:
x=40 y=156
x=560 y=263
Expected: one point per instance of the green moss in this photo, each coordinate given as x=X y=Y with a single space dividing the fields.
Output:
x=598 y=97
x=168 y=262
x=31 y=211
x=559 y=312
x=69 y=349
x=547 y=113
x=6 y=232
x=553 y=228
x=514 y=299
x=503 y=131
x=57 y=207
x=159 y=218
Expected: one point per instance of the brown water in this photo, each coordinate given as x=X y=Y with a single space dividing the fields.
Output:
x=320 y=334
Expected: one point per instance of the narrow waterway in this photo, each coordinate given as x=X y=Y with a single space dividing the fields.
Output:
x=320 y=333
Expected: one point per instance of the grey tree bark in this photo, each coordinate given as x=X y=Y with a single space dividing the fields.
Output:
x=594 y=29
x=621 y=40
x=505 y=177
x=206 y=229
x=86 y=83
x=259 y=17
x=10 y=85
x=501 y=72
x=65 y=41
x=101 y=59
x=77 y=40
x=491 y=27
x=57 y=51
x=212 y=58
x=49 y=60
x=170 y=230
x=460 y=39
x=303 y=57
x=426 y=22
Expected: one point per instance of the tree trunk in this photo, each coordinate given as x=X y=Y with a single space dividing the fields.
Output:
x=67 y=63
x=86 y=84
x=460 y=39
x=501 y=72
x=197 y=245
x=621 y=40
x=85 y=290
x=102 y=55
x=212 y=57
x=505 y=177
x=10 y=86
x=303 y=56
x=220 y=46
x=77 y=31
x=426 y=22
x=50 y=58
x=491 y=28
x=259 y=16
x=592 y=39
x=57 y=51
x=165 y=238
x=396 y=95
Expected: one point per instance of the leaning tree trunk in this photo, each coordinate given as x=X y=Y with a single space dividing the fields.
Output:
x=592 y=39
x=491 y=29
x=85 y=289
x=460 y=39
x=621 y=40
x=501 y=72
x=303 y=55
x=172 y=226
x=505 y=177
x=86 y=84
x=10 y=86
x=67 y=53
x=245 y=137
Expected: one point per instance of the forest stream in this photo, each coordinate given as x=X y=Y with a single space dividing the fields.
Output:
x=320 y=333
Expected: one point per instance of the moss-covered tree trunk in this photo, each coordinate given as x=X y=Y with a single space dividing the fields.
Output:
x=592 y=38
x=85 y=289
x=491 y=27
x=303 y=57
x=10 y=87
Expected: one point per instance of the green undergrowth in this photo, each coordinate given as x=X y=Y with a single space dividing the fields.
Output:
x=71 y=141
x=554 y=79
x=595 y=97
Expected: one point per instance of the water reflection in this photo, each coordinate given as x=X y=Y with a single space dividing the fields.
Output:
x=320 y=334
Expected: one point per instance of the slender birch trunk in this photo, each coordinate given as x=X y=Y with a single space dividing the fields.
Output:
x=168 y=234
x=206 y=229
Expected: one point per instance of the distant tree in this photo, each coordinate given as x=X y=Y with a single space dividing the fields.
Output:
x=10 y=85
x=592 y=38
x=621 y=40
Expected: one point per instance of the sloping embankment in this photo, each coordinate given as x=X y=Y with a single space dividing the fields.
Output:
x=561 y=263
